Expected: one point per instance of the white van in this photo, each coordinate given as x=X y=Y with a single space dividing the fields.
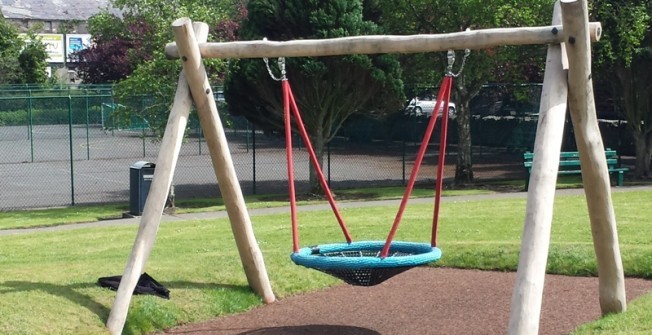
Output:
x=418 y=107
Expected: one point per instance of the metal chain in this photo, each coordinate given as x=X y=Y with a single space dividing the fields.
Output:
x=451 y=61
x=467 y=53
x=281 y=66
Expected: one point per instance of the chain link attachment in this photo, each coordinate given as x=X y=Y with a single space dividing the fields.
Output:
x=451 y=61
x=281 y=65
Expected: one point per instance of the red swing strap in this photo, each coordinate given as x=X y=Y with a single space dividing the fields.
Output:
x=290 y=105
x=442 y=96
x=441 y=161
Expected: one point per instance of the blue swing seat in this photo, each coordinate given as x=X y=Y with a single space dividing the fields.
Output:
x=359 y=263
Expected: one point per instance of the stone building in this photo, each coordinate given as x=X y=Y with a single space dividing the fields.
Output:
x=63 y=27
x=52 y=14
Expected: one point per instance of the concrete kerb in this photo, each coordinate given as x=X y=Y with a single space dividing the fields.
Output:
x=306 y=208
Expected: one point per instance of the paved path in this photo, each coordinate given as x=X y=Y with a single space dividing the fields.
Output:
x=316 y=207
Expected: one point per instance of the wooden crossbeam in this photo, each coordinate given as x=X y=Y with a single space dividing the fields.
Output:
x=376 y=44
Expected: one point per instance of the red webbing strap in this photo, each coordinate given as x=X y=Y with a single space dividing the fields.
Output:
x=445 y=86
x=290 y=161
x=292 y=105
x=441 y=162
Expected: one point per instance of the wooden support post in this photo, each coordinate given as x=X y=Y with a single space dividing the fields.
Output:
x=250 y=254
x=530 y=277
x=595 y=175
x=155 y=203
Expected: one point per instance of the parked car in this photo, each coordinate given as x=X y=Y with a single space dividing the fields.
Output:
x=425 y=108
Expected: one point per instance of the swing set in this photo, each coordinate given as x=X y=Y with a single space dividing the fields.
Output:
x=365 y=263
x=567 y=85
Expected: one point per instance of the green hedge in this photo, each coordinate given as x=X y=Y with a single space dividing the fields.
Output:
x=51 y=116
x=13 y=118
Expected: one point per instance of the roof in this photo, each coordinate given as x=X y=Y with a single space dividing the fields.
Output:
x=52 y=10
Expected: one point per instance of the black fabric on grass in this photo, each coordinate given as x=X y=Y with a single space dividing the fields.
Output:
x=146 y=285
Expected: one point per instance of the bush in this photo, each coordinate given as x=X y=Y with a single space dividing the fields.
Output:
x=13 y=118
x=50 y=116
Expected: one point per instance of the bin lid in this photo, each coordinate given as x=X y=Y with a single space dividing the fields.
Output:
x=142 y=164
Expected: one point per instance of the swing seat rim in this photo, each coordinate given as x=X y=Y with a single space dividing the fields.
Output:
x=314 y=257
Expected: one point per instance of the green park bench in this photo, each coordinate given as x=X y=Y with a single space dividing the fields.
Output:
x=569 y=163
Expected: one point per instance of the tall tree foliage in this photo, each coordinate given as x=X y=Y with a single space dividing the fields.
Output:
x=500 y=64
x=328 y=89
x=9 y=51
x=21 y=61
x=624 y=63
x=107 y=61
x=129 y=51
x=33 y=61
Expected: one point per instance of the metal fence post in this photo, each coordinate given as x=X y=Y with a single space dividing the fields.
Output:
x=328 y=161
x=201 y=135
x=30 y=125
x=72 y=166
x=88 y=142
x=403 y=161
x=142 y=127
x=247 y=137
x=253 y=154
x=142 y=124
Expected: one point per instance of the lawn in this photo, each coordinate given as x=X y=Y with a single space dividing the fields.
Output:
x=48 y=281
x=22 y=219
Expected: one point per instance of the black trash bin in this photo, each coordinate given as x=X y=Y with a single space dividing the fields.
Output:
x=141 y=174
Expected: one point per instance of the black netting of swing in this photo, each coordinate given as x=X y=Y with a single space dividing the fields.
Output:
x=360 y=264
x=365 y=277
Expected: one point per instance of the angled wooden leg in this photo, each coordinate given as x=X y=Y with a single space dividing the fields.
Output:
x=155 y=203
x=250 y=254
x=528 y=289
x=595 y=172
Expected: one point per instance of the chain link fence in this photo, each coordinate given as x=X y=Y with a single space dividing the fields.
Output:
x=65 y=146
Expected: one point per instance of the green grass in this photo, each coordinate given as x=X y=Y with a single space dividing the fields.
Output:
x=52 y=275
x=59 y=216
x=563 y=181
x=91 y=213
x=637 y=320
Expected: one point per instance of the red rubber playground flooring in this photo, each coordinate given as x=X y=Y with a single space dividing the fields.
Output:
x=420 y=301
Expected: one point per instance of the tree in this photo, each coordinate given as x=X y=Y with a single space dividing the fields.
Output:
x=328 y=90
x=498 y=65
x=9 y=51
x=33 y=61
x=623 y=60
x=107 y=60
x=129 y=51
x=21 y=61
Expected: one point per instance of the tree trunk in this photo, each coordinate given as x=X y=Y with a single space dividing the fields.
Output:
x=633 y=91
x=318 y=144
x=464 y=166
x=648 y=156
x=643 y=154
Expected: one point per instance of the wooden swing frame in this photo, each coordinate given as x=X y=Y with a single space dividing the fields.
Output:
x=567 y=83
